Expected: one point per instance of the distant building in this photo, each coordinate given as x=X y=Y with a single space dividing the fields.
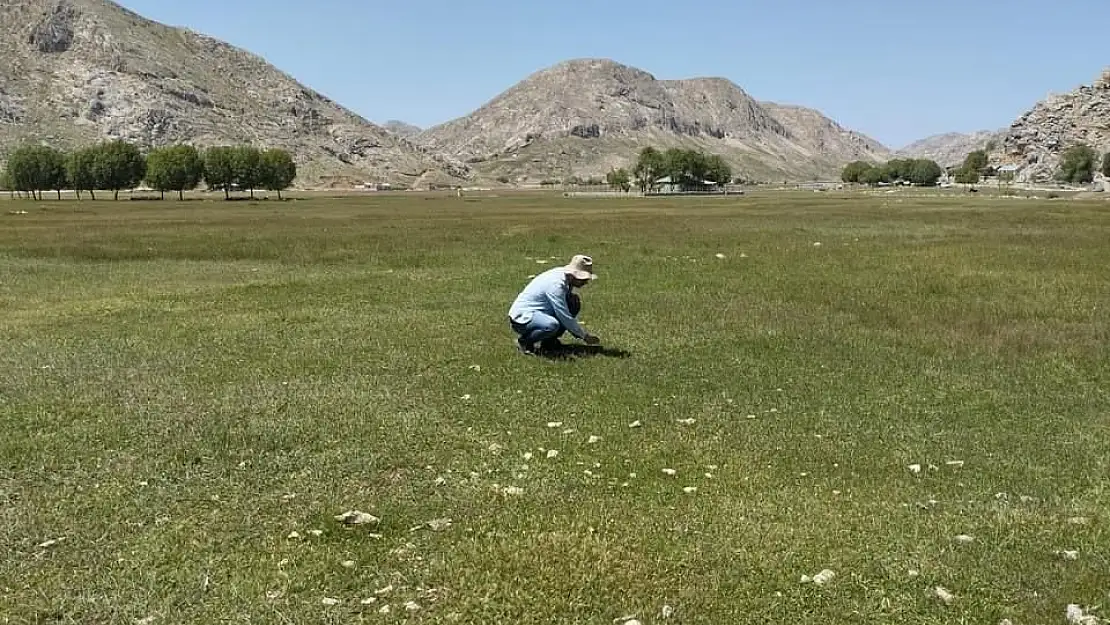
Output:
x=667 y=185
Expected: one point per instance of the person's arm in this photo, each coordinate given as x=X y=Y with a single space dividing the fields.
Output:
x=558 y=300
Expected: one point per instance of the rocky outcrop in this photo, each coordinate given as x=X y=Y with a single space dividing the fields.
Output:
x=11 y=108
x=822 y=135
x=585 y=116
x=77 y=71
x=55 y=32
x=950 y=149
x=1037 y=139
x=401 y=128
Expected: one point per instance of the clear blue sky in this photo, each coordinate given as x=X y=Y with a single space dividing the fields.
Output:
x=896 y=71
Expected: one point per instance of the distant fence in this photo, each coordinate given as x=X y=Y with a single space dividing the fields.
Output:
x=584 y=190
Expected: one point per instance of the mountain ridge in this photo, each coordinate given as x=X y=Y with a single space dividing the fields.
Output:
x=949 y=149
x=585 y=116
x=77 y=71
x=402 y=128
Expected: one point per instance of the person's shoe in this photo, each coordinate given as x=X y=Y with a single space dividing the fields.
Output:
x=527 y=349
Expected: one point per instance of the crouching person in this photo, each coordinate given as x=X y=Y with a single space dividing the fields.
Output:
x=548 y=307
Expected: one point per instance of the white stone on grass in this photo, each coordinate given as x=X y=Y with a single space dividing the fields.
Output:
x=943 y=594
x=356 y=517
x=1076 y=616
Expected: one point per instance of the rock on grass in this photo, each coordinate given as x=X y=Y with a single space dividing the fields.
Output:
x=355 y=517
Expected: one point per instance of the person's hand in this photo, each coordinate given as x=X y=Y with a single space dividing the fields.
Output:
x=592 y=339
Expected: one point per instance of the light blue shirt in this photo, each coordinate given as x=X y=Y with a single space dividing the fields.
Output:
x=546 y=293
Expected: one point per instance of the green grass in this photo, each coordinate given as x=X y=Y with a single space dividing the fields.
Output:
x=184 y=385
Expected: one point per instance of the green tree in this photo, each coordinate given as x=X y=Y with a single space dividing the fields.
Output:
x=899 y=169
x=674 y=165
x=697 y=168
x=619 y=180
x=278 y=170
x=976 y=161
x=649 y=167
x=33 y=169
x=21 y=170
x=1106 y=165
x=54 y=164
x=717 y=170
x=158 y=171
x=967 y=175
x=924 y=172
x=219 y=168
x=178 y=168
x=873 y=176
x=1077 y=165
x=6 y=182
x=686 y=168
x=853 y=172
x=81 y=171
x=118 y=165
x=247 y=164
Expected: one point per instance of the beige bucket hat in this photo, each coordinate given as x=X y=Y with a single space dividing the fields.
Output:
x=581 y=267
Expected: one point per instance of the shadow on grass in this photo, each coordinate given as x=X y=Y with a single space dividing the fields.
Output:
x=575 y=351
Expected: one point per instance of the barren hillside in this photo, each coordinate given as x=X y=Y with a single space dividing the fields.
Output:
x=76 y=71
x=584 y=116
x=1036 y=140
x=951 y=148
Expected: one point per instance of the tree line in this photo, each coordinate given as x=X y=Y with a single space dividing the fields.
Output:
x=687 y=169
x=918 y=171
x=118 y=165
x=1078 y=165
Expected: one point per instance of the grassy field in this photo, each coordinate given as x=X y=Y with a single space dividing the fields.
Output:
x=191 y=392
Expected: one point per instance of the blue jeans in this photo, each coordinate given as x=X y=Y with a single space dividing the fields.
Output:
x=544 y=327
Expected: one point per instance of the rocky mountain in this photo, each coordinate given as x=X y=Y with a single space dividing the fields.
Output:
x=401 y=128
x=1036 y=140
x=822 y=134
x=76 y=71
x=949 y=149
x=585 y=116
